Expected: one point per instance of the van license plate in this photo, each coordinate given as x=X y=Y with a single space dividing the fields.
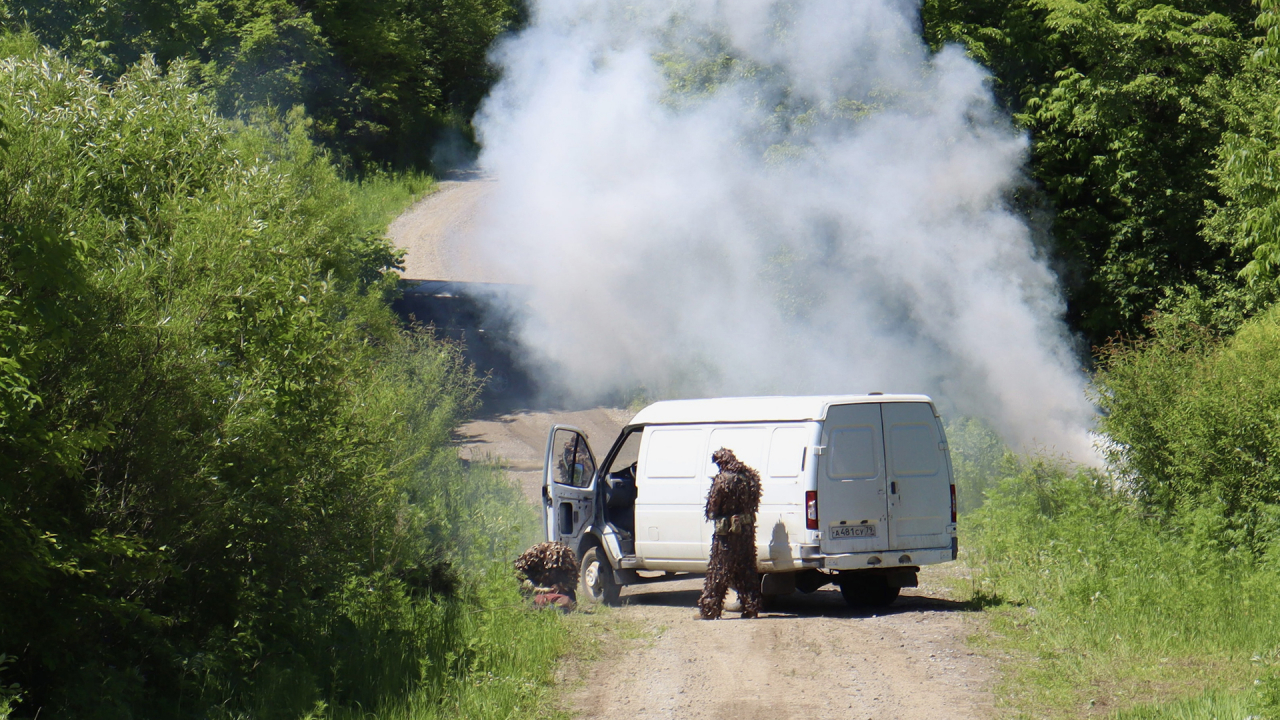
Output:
x=852 y=531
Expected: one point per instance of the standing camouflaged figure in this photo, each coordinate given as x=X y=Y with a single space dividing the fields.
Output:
x=732 y=505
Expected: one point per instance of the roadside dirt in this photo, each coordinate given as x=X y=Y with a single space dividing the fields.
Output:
x=807 y=656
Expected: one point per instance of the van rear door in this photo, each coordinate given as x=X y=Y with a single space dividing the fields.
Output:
x=852 y=502
x=919 y=478
x=568 y=485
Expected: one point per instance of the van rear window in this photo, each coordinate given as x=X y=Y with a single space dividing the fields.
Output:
x=913 y=449
x=853 y=453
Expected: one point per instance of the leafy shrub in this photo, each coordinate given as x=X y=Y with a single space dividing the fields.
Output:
x=226 y=486
x=1108 y=598
x=1194 y=423
x=379 y=76
x=979 y=459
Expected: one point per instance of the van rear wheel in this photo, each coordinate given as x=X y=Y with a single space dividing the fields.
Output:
x=596 y=582
x=869 y=591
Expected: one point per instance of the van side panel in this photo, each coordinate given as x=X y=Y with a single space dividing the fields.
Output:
x=920 y=510
x=780 y=527
x=671 y=498
x=670 y=494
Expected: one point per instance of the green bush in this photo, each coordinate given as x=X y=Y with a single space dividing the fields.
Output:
x=1106 y=598
x=979 y=459
x=379 y=76
x=1194 y=422
x=226 y=485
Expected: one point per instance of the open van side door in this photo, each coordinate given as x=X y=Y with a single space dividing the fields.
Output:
x=568 y=485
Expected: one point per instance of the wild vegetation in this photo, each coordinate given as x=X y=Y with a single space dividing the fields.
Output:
x=1148 y=588
x=225 y=482
x=226 y=485
x=380 y=80
x=1153 y=588
x=1150 y=123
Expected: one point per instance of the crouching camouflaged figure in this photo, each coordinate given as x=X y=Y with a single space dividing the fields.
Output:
x=732 y=505
x=551 y=572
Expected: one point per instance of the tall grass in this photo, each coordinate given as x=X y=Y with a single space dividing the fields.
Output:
x=1108 y=606
x=382 y=195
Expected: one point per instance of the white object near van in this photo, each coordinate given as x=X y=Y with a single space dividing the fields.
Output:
x=857 y=490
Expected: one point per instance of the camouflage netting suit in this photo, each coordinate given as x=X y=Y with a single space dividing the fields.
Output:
x=732 y=505
x=550 y=567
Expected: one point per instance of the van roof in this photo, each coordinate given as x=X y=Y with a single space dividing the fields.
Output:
x=756 y=409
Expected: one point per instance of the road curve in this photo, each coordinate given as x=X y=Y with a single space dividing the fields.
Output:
x=438 y=232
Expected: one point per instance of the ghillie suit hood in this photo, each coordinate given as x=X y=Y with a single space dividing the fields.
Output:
x=550 y=566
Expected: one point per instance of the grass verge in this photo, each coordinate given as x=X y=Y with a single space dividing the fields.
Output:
x=383 y=196
x=1108 y=612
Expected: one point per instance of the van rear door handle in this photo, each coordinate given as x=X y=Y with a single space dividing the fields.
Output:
x=893 y=488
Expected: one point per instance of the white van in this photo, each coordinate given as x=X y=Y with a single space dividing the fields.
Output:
x=856 y=490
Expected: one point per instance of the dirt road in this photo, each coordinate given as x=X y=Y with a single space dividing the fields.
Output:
x=517 y=441
x=808 y=656
x=436 y=233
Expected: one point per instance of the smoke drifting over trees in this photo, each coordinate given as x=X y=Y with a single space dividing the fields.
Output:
x=761 y=197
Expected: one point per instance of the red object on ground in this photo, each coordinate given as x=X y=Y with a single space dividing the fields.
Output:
x=564 y=602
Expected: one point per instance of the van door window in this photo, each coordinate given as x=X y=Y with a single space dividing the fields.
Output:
x=914 y=449
x=574 y=466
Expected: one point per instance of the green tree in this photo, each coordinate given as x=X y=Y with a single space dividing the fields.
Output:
x=1248 y=167
x=226 y=484
x=381 y=78
x=1125 y=102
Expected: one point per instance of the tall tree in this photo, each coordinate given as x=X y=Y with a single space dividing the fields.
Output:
x=1125 y=102
x=381 y=78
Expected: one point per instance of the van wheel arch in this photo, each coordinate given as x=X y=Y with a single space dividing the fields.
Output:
x=595 y=582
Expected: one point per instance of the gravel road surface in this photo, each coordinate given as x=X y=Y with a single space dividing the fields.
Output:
x=807 y=656
x=436 y=233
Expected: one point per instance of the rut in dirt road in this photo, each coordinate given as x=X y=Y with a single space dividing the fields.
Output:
x=807 y=656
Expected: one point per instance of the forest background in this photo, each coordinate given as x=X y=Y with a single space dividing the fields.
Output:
x=226 y=487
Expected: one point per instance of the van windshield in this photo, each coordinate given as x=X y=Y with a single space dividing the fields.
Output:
x=628 y=453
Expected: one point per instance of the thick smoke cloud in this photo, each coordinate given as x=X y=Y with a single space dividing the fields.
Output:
x=755 y=197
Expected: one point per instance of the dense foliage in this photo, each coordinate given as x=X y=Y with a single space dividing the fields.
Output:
x=1194 y=423
x=381 y=78
x=226 y=486
x=1133 y=107
x=1107 y=605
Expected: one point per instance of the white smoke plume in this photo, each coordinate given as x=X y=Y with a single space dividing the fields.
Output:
x=771 y=197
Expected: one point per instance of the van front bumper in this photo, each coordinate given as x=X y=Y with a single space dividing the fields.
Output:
x=888 y=558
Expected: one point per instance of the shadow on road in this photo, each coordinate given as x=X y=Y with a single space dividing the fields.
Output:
x=827 y=602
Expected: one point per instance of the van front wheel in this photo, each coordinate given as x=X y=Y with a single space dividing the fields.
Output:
x=870 y=591
x=597 y=583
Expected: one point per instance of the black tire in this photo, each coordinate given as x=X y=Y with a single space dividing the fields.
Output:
x=596 y=583
x=868 y=592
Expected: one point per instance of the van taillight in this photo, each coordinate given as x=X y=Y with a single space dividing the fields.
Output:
x=953 y=503
x=811 y=509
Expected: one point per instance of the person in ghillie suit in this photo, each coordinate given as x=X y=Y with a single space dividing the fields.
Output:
x=551 y=574
x=732 y=505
